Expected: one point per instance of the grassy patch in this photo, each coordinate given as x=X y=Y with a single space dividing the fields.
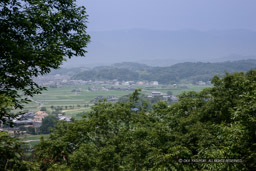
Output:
x=33 y=137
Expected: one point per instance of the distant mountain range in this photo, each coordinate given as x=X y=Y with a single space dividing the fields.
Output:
x=183 y=72
x=165 y=48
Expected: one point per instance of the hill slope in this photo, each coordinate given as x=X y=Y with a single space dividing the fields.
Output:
x=189 y=72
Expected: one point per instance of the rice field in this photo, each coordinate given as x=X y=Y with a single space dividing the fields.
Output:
x=67 y=97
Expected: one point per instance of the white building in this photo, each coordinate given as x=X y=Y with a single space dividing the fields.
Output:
x=154 y=83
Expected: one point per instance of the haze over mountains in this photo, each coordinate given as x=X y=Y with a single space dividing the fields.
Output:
x=165 y=48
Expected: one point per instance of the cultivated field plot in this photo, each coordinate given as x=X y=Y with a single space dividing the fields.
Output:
x=79 y=96
x=177 y=91
x=70 y=96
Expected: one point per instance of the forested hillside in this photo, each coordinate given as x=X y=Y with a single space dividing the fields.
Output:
x=183 y=72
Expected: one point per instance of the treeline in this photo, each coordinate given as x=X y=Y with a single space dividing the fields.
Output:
x=144 y=102
x=107 y=74
x=183 y=72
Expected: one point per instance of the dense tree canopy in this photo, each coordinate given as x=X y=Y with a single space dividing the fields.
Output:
x=10 y=152
x=36 y=36
x=210 y=130
x=47 y=124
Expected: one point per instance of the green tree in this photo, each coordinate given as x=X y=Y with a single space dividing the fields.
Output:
x=31 y=130
x=35 y=37
x=10 y=153
x=216 y=123
x=47 y=124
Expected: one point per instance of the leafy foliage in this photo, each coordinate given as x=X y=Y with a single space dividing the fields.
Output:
x=36 y=36
x=47 y=124
x=10 y=153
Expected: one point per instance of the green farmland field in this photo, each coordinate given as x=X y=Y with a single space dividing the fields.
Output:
x=65 y=97
x=81 y=100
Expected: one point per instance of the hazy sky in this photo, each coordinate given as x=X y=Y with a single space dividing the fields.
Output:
x=170 y=14
x=194 y=30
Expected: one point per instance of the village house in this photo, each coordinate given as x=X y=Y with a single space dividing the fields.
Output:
x=155 y=83
x=38 y=118
x=25 y=119
x=62 y=117
x=162 y=96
